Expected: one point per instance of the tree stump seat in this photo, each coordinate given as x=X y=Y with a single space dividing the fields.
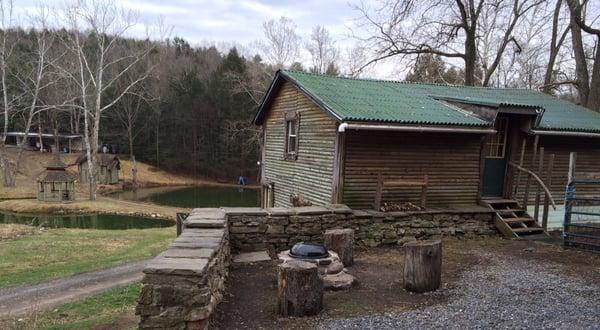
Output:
x=423 y=265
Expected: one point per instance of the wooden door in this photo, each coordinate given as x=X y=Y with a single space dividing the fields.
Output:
x=495 y=165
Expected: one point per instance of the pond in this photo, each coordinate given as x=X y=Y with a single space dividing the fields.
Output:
x=93 y=221
x=191 y=197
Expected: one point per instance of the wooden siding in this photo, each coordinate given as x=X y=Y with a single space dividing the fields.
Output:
x=311 y=175
x=451 y=161
x=588 y=160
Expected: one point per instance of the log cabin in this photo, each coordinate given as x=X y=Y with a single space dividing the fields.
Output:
x=332 y=140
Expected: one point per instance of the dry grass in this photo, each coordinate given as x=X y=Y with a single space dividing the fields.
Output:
x=12 y=231
x=33 y=163
x=103 y=205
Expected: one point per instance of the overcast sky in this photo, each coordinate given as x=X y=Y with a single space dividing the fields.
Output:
x=228 y=21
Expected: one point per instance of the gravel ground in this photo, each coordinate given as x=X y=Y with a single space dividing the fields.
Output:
x=499 y=293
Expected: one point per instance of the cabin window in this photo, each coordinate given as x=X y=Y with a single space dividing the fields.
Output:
x=496 y=144
x=291 y=135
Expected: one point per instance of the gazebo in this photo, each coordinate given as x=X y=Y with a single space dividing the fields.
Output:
x=56 y=184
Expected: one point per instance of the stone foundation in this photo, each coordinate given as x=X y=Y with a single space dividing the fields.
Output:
x=252 y=229
x=182 y=286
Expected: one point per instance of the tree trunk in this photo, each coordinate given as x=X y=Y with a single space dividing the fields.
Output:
x=581 y=69
x=423 y=266
x=470 y=57
x=300 y=289
x=156 y=135
x=594 y=94
x=341 y=241
x=7 y=170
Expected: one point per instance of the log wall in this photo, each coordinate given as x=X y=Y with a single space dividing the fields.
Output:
x=588 y=160
x=451 y=161
x=311 y=174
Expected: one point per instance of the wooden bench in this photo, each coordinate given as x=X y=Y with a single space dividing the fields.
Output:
x=382 y=184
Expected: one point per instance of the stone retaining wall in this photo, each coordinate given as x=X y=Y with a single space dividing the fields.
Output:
x=252 y=229
x=182 y=286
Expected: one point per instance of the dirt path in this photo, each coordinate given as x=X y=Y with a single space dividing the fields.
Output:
x=18 y=300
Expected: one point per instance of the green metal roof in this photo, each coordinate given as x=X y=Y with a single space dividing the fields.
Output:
x=413 y=103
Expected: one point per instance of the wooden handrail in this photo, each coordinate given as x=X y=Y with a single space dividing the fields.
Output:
x=537 y=178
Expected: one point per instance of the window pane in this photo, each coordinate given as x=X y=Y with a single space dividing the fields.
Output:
x=292 y=144
x=292 y=127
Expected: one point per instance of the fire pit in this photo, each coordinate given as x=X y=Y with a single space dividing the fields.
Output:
x=309 y=250
x=331 y=269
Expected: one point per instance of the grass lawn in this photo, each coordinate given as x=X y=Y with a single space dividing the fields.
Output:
x=110 y=310
x=62 y=252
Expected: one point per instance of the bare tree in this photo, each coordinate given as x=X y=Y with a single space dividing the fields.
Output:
x=322 y=49
x=449 y=29
x=558 y=36
x=34 y=77
x=96 y=29
x=587 y=87
x=132 y=106
x=281 y=45
x=6 y=47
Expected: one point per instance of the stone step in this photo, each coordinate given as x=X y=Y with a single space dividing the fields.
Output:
x=176 y=266
x=188 y=253
x=204 y=223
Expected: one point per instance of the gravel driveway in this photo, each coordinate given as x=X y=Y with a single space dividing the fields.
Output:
x=499 y=293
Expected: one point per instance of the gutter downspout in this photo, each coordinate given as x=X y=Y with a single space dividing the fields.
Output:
x=422 y=129
x=564 y=133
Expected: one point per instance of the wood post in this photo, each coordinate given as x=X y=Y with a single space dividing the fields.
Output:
x=423 y=265
x=341 y=241
x=521 y=160
x=300 y=289
x=179 y=218
x=378 y=192
x=424 y=191
x=536 y=210
x=528 y=181
x=546 y=197
x=568 y=190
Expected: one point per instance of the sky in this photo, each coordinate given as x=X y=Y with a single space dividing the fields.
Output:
x=229 y=22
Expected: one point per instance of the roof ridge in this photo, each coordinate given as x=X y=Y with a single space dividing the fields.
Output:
x=409 y=82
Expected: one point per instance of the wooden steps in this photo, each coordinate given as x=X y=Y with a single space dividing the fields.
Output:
x=512 y=220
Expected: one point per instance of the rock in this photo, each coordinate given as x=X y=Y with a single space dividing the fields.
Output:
x=335 y=267
x=339 y=281
x=529 y=249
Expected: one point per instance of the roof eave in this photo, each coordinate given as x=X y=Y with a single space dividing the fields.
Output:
x=280 y=77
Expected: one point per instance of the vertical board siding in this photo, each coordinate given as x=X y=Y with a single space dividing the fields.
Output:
x=588 y=160
x=311 y=175
x=450 y=160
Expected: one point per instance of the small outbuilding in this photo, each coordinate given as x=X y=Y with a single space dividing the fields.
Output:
x=108 y=168
x=56 y=183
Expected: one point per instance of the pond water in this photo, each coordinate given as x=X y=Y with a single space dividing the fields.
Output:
x=94 y=221
x=191 y=197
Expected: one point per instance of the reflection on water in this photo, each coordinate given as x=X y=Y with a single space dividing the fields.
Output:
x=190 y=197
x=95 y=221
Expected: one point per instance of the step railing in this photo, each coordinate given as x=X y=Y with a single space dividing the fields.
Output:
x=548 y=199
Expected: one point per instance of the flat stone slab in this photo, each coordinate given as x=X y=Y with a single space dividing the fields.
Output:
x=187 y=239
x=207 y=214
x=188 y=253
x=195 y=245
x=250 y=257
x=203 y=232
x=176 y=266
x=339 y=281
x=244 y=211
x=204 y=223
x=309 y=210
